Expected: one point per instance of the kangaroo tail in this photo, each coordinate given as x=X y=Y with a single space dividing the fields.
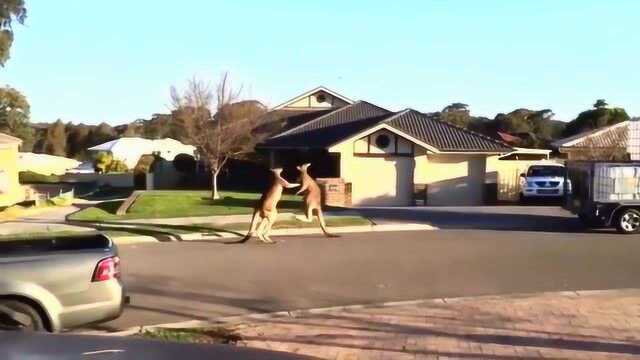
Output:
x=252 y=229
x=323 y=225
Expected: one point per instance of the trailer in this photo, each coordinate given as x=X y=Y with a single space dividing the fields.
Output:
x=605 y=194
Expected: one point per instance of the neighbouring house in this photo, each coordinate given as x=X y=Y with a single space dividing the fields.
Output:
x=376 y=157
x=130 y=149
x=620 y=141
x=11 y=191
x=45 y=164
x=503 y=171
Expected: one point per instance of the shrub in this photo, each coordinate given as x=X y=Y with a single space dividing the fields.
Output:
x=30 y=177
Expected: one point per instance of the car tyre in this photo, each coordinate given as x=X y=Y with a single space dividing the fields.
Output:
x=628 y=221
x=33 y=321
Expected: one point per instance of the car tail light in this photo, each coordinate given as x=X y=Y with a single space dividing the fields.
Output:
x=107 y=269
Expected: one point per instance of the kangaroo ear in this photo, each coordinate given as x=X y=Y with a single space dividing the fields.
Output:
x=306 y=166
x=299 y=168
x=277 y=171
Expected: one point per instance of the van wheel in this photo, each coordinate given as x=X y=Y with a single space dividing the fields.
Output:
x=26 y=318
x=628 y=221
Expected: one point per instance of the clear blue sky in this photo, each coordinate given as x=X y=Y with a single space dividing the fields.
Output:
x=114 y=61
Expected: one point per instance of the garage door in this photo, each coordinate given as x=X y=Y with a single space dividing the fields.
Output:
x=378 y=181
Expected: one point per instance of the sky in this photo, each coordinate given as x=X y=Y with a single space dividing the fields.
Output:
x=115 y=61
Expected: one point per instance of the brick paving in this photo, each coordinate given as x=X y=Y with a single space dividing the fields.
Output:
x=568 y=325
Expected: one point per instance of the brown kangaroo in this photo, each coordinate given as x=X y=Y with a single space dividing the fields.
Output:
x=267 y=209
x=312 y=199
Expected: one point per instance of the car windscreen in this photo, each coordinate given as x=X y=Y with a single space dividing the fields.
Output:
x=546 y=171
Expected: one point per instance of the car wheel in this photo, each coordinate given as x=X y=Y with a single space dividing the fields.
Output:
x=628 y=221
x=26 y=318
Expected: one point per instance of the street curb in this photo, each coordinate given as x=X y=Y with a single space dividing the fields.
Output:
x=127 y=240
x=239 y=319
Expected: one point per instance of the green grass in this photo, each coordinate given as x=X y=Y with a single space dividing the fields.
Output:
x=208 y=336
x=172 y=204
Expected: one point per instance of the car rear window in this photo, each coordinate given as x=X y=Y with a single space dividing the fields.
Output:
x=54 y=243
x=540 y=171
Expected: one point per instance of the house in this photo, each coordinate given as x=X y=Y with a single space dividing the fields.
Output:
x=45 y=164
x=10 y=190
x=620 y=141
x=386 y=158
x=130 y=149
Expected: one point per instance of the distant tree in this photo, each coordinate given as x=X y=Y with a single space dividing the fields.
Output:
x=207 y=119
x=77 y=137
x=101 y=134
x=595 y=118
x=457 y=114
x=56 y=140
x=10 y=11
x=600 y=103
x=536 y=127
x=14 y=116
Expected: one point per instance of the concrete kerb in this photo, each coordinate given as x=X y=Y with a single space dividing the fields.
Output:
x=238 y=320
x=283 y=232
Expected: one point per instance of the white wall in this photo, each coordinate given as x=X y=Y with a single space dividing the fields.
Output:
x=452 y=180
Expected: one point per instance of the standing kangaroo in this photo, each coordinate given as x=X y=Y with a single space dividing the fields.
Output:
x=312 y=199
x=267 y=209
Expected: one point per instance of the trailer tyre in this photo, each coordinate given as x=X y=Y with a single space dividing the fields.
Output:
x=628 y=221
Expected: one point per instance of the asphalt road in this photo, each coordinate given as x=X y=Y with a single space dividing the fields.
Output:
x=172 y=282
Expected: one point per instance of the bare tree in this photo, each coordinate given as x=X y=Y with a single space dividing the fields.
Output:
x=215 y=122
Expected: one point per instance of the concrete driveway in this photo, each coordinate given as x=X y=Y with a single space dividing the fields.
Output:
x=508 y=218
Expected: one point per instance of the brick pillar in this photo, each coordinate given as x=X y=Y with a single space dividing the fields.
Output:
x=335 y=192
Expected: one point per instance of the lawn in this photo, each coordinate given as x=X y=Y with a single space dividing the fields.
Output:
x=172 y=204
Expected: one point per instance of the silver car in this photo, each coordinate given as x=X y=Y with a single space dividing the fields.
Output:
x=60 y=282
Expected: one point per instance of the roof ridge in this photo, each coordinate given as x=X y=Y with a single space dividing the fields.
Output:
x=309 y=92
x=326 y=115
x=314 y=120
x=436 y=118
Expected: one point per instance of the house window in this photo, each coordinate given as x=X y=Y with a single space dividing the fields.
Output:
x=321 y=98
x=383 y=141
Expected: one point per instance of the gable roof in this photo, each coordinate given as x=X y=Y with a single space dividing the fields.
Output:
x=329 y=128
x=311 y=92
x=442 y=135
x=352 y=120
x=6 y=140
x=606 y=137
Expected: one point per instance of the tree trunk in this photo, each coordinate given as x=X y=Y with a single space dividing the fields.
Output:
x=214 y=185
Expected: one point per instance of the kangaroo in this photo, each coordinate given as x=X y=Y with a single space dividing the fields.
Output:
x=312 y=199
x=266 y=209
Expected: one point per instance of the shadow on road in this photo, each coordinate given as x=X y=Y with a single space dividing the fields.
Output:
x=485 y=218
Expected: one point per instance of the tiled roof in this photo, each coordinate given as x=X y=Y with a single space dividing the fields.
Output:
x=330 y=128
x=443 y=136
x=350 y=120
x=607 y=137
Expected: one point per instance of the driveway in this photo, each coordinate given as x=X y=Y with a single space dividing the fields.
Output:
x=510 y=218
x=172 y=282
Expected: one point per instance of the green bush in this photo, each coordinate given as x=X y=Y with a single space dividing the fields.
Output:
x=105 y=163
x=30 y=177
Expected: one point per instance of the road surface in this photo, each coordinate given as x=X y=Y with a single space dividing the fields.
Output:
x=172 y=282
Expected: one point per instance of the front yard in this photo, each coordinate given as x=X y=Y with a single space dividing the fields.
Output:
x=175 y=204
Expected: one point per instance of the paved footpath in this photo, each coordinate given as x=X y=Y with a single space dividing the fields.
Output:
x=567 y=325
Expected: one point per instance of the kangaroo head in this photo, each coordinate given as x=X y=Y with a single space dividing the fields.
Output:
x=278 y=178
x=303 y=168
